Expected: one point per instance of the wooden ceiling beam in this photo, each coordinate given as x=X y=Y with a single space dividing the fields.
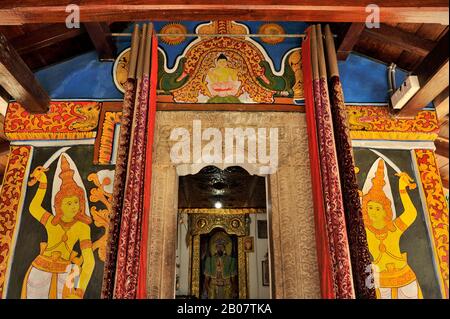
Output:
x=18 y=80
x=15 y=12
x=349 y=40
x=444 y=181
x=442 y=147
x=44 y=37
x=406 y=40
x=4 y=147
x=441 y=104
x=4 y=95
x=433 y=73
x=100 y=35
x=2 y=129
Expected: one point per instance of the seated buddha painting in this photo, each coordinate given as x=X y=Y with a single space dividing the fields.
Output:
x=223 y=82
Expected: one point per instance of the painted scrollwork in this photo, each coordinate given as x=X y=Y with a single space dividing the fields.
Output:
x=64 y=120
x=374 y=122
x=437 y=211
x=10 y=197
x=102 y=193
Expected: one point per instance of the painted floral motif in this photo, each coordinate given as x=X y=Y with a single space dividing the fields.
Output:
x=65 y=120
x=437 y=210
x=375 y=122
x=107 y=138
x=102 y=193
x=10 y=195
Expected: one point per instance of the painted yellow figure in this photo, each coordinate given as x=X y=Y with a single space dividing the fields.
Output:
x=222 y=82
x=52 y=273
x=394 y=278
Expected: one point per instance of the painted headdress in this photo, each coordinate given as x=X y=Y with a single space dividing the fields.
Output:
x=66 y=183
x=378 y=189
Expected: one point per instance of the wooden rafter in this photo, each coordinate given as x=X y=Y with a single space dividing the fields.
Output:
x=51 y=11
x=433 y=75
x=406 y=40
x=44 y=37
x=442 y=147
x=2 y=131
x=99 y=33
x=18 y=80
x=349 y=40
x=441 y=105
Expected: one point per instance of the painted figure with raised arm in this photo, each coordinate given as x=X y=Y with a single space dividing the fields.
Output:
x=57 y=272
x=394 y=278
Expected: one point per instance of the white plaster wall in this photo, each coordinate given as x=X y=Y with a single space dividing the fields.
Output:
x=255 y=288
x=182 y=262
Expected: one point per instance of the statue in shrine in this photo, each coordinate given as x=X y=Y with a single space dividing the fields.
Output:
x=222 y=82
x=220 y=268
x=57 y=272
x=394 y=278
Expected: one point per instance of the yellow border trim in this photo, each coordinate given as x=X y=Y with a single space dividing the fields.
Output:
x=401 y=136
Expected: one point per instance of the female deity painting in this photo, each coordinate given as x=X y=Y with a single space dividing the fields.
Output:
x=220 y=268
x=222 y=82
x=394 y=278
x=57 y=272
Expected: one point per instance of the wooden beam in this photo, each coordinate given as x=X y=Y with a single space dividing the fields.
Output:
x=444 y=181
x=406 y=40
x=4 y=147
x=433 y=73
x=18 y=80
x=351 y=37
x=4 y=151
x=4 y=95
x=442 y=147
x=44 y=37
x=2 y=129
x=99 y=33
x=441 y=105
x=52 y=11
x=434 y=60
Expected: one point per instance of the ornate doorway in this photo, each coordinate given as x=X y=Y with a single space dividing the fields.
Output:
x=293 y=262
x=222 y=248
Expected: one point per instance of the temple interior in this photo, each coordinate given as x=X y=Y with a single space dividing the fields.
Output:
x=152 y=152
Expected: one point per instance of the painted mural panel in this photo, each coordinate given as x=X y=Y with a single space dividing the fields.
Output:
x=212 y=68
x=60 y=241
x=396 y=225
